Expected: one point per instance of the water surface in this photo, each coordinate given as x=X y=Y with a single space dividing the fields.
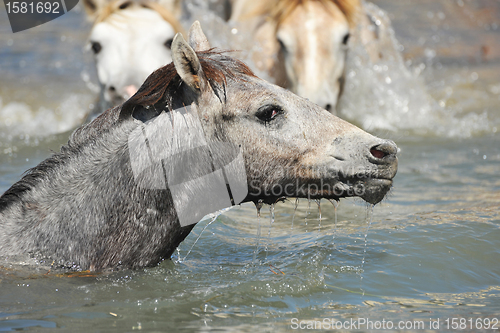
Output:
x=428 y=252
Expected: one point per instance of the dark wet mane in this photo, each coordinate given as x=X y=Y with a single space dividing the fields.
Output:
x=217 y=68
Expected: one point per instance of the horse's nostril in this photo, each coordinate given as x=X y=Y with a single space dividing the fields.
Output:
x=377 y=153
x=112 y=88
x=384 y=149
x=328 y=107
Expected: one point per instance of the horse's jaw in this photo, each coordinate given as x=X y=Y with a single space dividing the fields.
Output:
x=354 y=165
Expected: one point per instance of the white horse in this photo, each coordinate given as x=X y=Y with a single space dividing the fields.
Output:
x=303 y=43
x=129 y=39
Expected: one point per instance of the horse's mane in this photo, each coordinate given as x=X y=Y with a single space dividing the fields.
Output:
x=217 y=68
x=162 y=84
x=118 y=5
x=279 y=10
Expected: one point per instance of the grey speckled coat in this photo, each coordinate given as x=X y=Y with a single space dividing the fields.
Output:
x=83 y=206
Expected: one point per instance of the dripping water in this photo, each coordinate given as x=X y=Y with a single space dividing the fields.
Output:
x=369 y=218
x=308 y=212
x=271 y=221
x=258 y=206
x=318 y=202
x=335 y=204
x=293 y=218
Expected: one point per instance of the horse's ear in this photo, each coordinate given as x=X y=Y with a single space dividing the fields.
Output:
x=197 y=38
x=186 y=62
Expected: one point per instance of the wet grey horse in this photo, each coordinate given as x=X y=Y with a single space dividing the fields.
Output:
x=91 y=206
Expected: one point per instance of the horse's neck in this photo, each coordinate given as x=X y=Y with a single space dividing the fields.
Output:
x=89 y=196
x=104 y=122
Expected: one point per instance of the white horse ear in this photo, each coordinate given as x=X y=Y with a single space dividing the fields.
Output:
x=186 y=62
x=197 y=38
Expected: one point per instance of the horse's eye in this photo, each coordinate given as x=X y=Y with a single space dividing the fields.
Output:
x=125 y=5
x=346 y=38
x=268 y=113
x=282 y=45
x=96 y=47
x=168 y=43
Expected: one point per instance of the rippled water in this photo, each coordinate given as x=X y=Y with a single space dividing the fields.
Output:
x=429 y=251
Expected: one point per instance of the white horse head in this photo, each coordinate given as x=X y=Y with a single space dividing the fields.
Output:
x=304 y=43
x=129 y=41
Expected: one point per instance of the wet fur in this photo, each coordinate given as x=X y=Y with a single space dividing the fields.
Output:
x=82 y=204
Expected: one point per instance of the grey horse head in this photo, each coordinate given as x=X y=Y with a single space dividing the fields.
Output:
x=200 y=129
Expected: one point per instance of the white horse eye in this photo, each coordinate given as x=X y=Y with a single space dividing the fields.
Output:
x=346 y=38
x=96 y=47
x=125 y=5
x=168 y=43
x=282 y=45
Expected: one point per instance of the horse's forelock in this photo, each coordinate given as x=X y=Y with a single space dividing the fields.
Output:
x=279 y=10
x=166 y=14
x=106 y=11
x=350 y=8
x=217 y=69
x=115 y=6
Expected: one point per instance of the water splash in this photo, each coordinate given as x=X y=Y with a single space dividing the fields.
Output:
x=213 y=217
x=196 y=241
x=395 y=98
x=392 y=97
x=20 y=119
x=178 y=251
